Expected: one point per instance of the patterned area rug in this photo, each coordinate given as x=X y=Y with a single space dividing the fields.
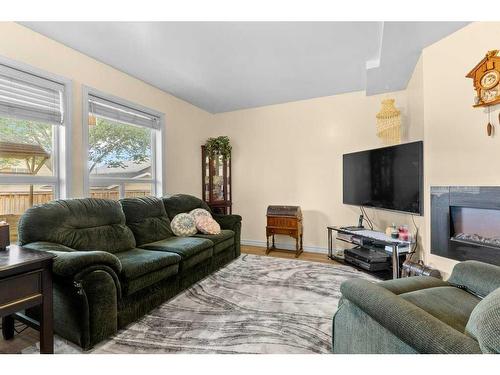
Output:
x=256 y=304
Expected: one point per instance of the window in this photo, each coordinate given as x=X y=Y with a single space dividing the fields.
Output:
x=33 y=131
x=123 y=150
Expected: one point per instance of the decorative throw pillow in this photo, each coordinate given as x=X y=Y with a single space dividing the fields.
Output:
x=200 y=212
x=183 y=225
x=207 y=225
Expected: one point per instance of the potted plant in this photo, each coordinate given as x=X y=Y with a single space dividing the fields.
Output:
x=219 y=146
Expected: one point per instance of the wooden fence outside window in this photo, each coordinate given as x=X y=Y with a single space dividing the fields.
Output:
x=13 y=204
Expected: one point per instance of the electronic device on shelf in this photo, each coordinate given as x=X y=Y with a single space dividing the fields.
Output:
x=344 y=237
x=353 y=229
x=352 y=238
x=360 y=241
x=368 y=259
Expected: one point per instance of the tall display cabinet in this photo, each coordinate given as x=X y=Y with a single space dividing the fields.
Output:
x=216 y=180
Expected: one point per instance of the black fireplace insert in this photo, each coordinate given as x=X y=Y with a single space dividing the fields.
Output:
x=465 y=223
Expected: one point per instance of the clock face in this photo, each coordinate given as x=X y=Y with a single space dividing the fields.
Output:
x=490 y=79
x=489 y=95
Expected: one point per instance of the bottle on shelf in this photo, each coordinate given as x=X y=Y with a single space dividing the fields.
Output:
x=394 y=232
x=404 y=233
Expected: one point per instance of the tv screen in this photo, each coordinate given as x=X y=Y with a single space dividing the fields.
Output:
x=388 y=177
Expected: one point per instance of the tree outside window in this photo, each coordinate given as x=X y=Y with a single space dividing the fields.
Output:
x=119 y=151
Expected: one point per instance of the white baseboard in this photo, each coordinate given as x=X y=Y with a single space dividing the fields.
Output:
x=285 y=246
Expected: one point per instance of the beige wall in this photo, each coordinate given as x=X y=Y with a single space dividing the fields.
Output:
x=185 y=123
x=457 y=149
x=292 y=154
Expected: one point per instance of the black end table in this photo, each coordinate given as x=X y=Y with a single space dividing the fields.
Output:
x=26 y=282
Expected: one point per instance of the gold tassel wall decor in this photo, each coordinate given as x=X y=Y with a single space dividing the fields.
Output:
x=389 y=123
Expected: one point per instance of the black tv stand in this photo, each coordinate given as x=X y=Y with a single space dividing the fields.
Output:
x=369 y=239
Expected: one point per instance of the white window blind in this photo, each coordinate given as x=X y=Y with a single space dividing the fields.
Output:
x=26 y=96
x=121 y=113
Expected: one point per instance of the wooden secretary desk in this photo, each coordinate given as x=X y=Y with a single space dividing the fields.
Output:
x=285 y=220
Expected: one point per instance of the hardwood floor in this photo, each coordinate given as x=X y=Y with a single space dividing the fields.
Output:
x=287 y=254
x=29 y=336
x=20 y=341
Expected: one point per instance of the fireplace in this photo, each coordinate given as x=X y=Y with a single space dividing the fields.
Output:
x=465 y=223
x=475 y=226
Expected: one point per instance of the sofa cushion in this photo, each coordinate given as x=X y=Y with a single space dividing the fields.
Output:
x=130 y=286
x=147 y=218
x=192 y=250
x=202 y=257
x=484 y=323
x=142 y=268
x=81 y=224
x=182 y=203
x=451 y=305
x=184 y=246
x=221 y=241
x=138 y=262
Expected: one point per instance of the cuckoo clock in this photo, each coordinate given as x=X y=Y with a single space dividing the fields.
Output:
x=486 y=76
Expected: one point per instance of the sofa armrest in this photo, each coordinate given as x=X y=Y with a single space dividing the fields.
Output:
x=69 y=262
x=476 y=277
x=232 y=222
x=410 y=284
x=86 y=293
x=414 y=326
x=227 y=221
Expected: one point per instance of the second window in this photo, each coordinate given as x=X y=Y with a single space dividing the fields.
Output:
x=124 y=143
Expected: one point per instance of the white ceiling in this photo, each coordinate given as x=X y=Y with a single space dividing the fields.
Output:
x=225 y=66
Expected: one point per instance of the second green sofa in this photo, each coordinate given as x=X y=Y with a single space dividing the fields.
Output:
x=421 y=314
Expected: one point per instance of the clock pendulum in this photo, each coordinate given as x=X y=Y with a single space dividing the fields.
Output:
x=489 y=127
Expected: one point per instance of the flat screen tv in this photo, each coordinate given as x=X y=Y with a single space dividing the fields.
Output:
x=389 y=178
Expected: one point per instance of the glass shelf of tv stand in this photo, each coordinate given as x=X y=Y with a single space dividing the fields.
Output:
x=398 y=247
x=376 y=236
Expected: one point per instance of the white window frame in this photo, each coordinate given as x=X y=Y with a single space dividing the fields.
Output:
x=61 y=179
x=157 y=152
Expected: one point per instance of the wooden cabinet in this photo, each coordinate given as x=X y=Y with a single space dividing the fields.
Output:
x=216 y=182
x=284 y=220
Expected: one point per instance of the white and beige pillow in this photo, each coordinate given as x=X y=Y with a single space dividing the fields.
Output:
x=183 y=225
x=188 y=224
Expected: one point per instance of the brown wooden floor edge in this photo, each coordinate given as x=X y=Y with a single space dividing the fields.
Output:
x=287 y=254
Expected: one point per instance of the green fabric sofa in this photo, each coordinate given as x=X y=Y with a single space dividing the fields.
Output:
x=117 y=260
x=421 y=314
